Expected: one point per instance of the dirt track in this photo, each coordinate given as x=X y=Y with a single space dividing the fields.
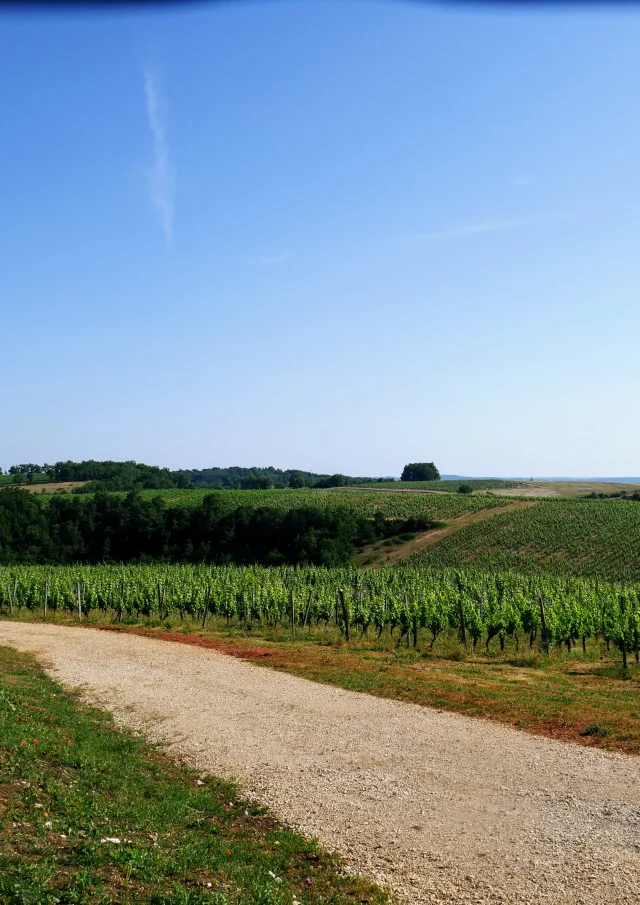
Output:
x=386 y=556
x=441 y=807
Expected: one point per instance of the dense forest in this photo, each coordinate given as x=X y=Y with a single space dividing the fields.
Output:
x=126 y=476
x=108 y=529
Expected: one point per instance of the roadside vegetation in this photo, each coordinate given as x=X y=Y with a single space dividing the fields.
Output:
x=90 y=814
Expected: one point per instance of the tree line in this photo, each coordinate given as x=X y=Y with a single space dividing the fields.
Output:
x=109 y=529
x=130 y=475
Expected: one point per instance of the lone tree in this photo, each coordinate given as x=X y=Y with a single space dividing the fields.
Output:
x=420 y=471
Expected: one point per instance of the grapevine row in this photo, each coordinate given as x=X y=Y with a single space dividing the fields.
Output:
x=417 y=603
x=590 y=538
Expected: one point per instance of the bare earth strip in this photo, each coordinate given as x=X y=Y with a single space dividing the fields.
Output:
x=388 y=555
x=537 y=490
x=45 y=487
x=572 y=489
x=442 y=808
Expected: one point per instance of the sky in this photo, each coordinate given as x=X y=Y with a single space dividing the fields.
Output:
x=337 y=236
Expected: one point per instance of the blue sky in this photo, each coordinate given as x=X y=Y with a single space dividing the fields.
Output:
x=334 y=236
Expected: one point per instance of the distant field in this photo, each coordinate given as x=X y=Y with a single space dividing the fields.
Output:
x=44 y=486
x=11 y=479
x=573 y=489
x=446 y=486
x=362 y=502
x=595 y=538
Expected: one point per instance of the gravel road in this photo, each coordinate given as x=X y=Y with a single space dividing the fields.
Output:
x=440 y=807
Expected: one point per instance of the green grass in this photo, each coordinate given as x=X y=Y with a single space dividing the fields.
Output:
x=591 y=538
x=71 y=784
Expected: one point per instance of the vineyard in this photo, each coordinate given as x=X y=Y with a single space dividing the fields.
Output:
x=364 y=503
x=592 y=538
x=413 y=603
x=447 y=486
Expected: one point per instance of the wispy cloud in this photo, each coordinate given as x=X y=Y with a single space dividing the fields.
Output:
x=473 y=229
x=270 y=260
x=161 y=175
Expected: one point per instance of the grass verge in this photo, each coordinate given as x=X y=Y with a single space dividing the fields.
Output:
x=90 y=814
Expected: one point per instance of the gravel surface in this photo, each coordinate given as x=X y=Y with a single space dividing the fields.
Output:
x=440 y=807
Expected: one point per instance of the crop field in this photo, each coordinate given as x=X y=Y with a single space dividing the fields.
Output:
x=553 y=655
x=595 y=538
x=421 y=603
x=361 y=502
x=45 y=488
x=21 y=479
x=447 y=486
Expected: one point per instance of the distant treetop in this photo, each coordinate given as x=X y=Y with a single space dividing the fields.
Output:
x=420 y=471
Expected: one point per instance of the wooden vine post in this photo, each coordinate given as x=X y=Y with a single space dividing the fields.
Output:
x=307 y=610
x=623 y=640
x=293 y=614
x=408 y=618
x=79 y=593
x=207 y=597
x=543 y=622
x=463 y=624
x=46 y=598
x=345 y=612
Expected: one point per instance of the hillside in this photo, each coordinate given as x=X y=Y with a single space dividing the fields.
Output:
x=594 y=538
x=364 y=502
x=270 y=527
x=591 y=537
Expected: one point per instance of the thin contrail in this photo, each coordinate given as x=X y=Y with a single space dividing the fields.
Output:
x=474 y=229
x=161 y=176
